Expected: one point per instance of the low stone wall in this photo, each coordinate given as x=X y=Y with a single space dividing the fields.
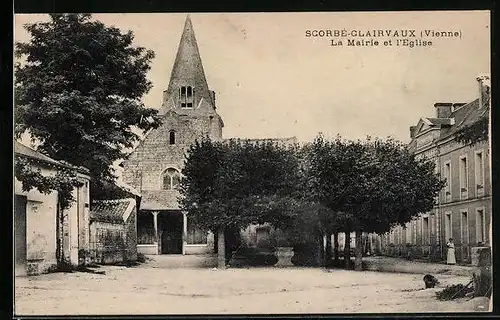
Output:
x=36 y=267
x=148 y=249
x=198 y=249
x=113 y=231
x=108 y=242
x=112 y=242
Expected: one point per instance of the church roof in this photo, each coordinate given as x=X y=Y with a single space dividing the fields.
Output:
x=286 y=141
x=159 y=200
x=187 y=71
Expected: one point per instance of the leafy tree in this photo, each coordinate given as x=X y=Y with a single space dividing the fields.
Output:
x=234 y=184
x=396 y=186
x=370 y=186
x=332 y=173
x=78 y=91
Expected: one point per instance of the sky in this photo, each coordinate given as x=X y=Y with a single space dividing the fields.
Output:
x=272 y=81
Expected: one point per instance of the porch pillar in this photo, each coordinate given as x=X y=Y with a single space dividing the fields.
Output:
x=155 y=224
x=184 y=231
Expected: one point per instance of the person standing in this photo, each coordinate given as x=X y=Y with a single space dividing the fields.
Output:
x=450 y=258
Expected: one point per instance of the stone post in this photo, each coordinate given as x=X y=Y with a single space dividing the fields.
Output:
x=155 y=225
x=184 y=232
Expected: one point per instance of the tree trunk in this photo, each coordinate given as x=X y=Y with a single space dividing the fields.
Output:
x=61 y=259
x=321 y=250
x=336 y=246
x=359 y=252
x=58 y=235
x=221 y=249
x=347 y=250
x=328 y=249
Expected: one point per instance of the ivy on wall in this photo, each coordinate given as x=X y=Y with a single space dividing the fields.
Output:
x=27 y=171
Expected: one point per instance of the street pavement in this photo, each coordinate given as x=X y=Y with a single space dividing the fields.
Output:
x=151 y=289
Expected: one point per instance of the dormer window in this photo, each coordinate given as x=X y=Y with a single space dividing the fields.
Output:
x=172 y=137
x=186 y=96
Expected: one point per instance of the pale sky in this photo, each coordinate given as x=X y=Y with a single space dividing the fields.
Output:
x=272 y=81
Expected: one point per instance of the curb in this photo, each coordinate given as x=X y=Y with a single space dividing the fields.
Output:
x=419 y=268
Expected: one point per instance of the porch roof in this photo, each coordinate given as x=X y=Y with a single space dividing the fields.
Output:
x=159 y=200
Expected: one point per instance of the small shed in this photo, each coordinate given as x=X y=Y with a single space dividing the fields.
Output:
x=113 y=232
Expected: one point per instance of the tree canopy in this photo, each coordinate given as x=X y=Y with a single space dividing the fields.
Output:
x=236 y=183
x=370 y=185
x=78 y=90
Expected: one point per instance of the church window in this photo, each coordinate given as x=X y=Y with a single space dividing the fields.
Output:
x=172 y=137
x=171 y=179
x=187 y=96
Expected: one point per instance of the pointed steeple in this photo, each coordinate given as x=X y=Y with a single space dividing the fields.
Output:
x=188 y=83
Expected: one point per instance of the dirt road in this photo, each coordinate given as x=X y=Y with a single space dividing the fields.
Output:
x=146 y=290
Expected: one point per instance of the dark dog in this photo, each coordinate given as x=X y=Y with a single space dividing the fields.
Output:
x=430 y=281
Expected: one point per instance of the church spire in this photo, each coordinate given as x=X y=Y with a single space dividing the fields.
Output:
x=188 y=88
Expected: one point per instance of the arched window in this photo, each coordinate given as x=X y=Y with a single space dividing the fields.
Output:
x=171 y=179
x=172 y=137
x=186 y=96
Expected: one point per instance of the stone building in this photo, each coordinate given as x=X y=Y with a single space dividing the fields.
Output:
x=189 y=112
x=463 y=207
x=39 y=229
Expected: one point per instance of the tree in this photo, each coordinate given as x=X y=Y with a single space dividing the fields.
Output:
x=371 y=186
x=234 y=184
x=332 y=174
x=78 y=92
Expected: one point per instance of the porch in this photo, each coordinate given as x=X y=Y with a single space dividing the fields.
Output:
x=170 y=232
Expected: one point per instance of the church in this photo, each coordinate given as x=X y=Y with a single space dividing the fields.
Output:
x=189 y=112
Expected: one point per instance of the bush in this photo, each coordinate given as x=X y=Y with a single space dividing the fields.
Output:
x=62 y=266
x=453 y=292
x=254 y=257
x=141 y=257
x=266 y=245
x=305 y=255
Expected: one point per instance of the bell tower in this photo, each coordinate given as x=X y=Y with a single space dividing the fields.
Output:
x=188 y=92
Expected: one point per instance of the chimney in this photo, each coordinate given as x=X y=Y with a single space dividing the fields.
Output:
x=412 y=131
x=443 y=109
x=484 y=89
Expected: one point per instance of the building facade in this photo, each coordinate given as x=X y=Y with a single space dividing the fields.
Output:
x=39 y=229
x=154 y=167
x=463 y=208
x=189 y=112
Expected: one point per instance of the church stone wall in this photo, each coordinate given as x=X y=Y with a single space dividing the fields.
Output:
x=155 y=154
